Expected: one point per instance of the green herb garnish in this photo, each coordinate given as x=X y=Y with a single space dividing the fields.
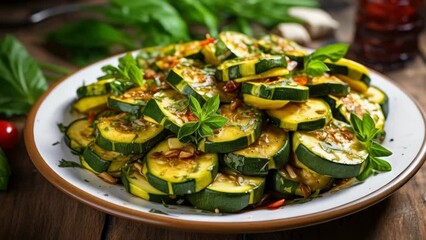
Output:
x=314 y=63
x=365 y=132
x=208 y=120
x=21 y=79
x=66 y=164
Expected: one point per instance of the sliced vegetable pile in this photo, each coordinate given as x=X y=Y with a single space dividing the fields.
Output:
x=222 y=123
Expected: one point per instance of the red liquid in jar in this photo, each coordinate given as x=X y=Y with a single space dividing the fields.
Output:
x=387 y=31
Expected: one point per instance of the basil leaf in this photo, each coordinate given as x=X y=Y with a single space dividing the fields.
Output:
x=205 y=131
x=188 y=129
x=378 y=150
x=136 y=75
x=366 y=172
x=215 y=122
x=211 y=106
x=369 y=127
x=21 y=79
x=358 y=126
x=316 y=68
x=90 y=34
x=196 y=11
x=195 y=107
x=332 y=51
x=380 y=164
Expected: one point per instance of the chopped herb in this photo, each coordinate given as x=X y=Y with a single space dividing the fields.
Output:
x=56 y=143
x=314 y=195
x=152 y=210
x=66 y=164
x=62 y=127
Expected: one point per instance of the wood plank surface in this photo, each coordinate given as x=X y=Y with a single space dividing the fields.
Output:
x=34 y=209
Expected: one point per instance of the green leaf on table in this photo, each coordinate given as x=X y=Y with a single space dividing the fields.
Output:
x=90 y=34
x=21 y=79
x=196 y=11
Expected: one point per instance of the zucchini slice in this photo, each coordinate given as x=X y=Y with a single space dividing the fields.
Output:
x=360 y=105
x=277 y=45
x=286 y=186
x=243 y=67
x=121 y=133
x=310 y=115
x=238 y=44
x=242 y=129
x=135 y=182
x=91 y=103
x=333 y=150
x=325 y=85
x=168 y=108
x=172 y=174
x=353 y=73
x=230 y=192
x=216 y=53
x=270 y=151
x=101 y=160
x=376 y=95
x=131 y=101
x=199 y=83
x=101 y=87
x=311 y=179
x=170 y=54
x=280 y=90
x=274 y=72
x=79 y=134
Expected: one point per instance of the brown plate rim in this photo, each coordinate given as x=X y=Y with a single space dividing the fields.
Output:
x=216 y=227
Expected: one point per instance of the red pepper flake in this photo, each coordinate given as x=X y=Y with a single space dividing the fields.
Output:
x=276 y=204
x=207 y=41
x=301 y=80
x=91 y=117
x=174 y=63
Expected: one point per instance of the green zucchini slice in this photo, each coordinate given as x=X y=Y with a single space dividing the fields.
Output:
x=287 y=187
x=360 y=105
x=101 y=87
x=132 y=101
x=197 y=82
x=167 y=171
x=310 y=115
x=101 y=160
x=333 y=150
x=230 y=192
x=274 y=72
x=353 y=73
x=216 y=53
x=277 y=45
x=376 y=95
x=170 y=54
x=270 y=151
x=136 y=183
x=243 y=67
x=79 y=134
x=168 y=108
x=128 y=135
x=238 y=44
x=280 y=90
x=325 y=85
x=91 y=103
x=242 y=129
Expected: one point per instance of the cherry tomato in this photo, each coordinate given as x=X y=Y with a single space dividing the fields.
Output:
x=9 y=135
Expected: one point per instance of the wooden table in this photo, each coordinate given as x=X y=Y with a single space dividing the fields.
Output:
x=34 y=209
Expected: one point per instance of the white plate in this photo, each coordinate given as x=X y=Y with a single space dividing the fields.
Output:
x=405 y=129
